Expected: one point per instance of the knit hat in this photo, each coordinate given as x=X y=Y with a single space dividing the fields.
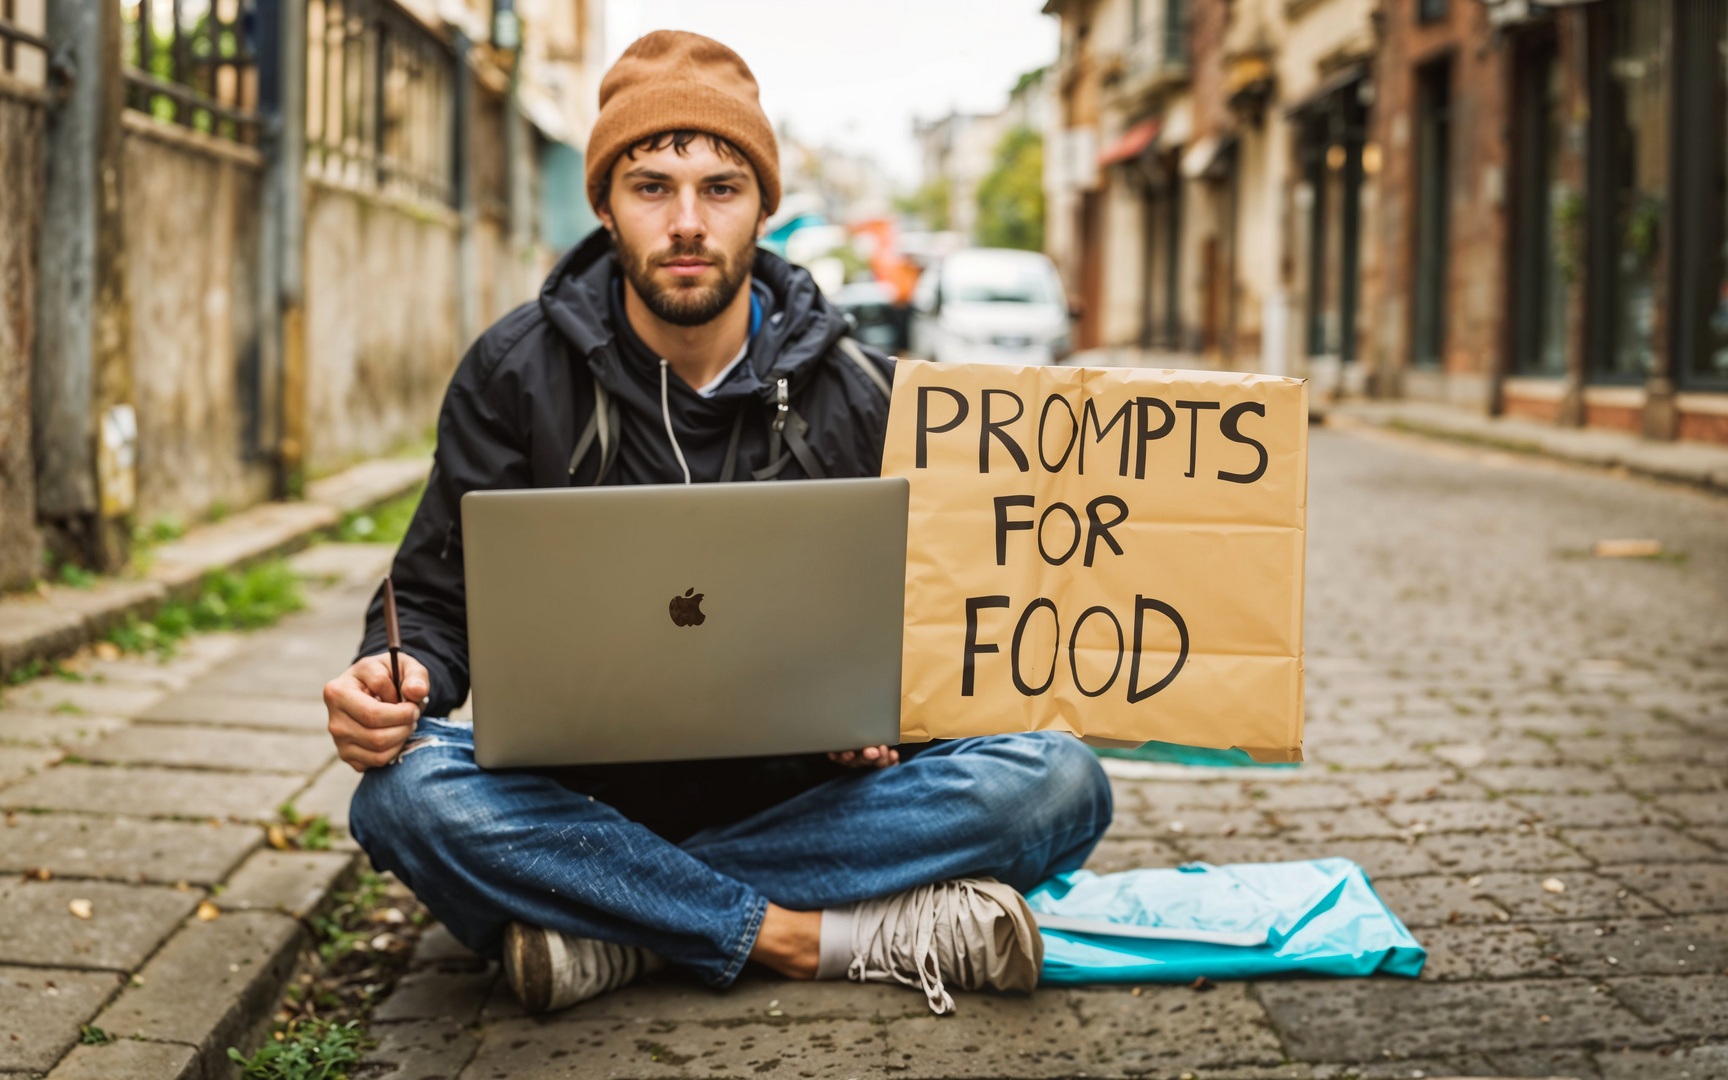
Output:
x=671 y=80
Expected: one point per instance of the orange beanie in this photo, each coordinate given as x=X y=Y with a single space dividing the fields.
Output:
x=672 y=81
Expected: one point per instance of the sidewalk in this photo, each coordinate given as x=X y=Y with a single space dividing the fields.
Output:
x=58 y=620
x=1701 y=465
x=140 y=894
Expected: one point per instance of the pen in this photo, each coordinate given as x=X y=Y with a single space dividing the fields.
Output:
x=394 y=630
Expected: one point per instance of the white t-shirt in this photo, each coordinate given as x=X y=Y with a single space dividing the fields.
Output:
x=713 y=384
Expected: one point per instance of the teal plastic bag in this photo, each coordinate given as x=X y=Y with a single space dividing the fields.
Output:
x=1319 y=917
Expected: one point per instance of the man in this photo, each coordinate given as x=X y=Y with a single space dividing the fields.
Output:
x=708 y=359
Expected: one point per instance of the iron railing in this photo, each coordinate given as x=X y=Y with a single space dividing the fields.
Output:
x=380 y=100
x=194 y=62
x=23 y=52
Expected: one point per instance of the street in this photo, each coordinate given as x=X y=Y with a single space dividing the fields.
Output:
x=1523 y=744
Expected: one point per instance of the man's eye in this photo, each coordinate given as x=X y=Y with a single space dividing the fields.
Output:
x=650 y=189
x=722 y=189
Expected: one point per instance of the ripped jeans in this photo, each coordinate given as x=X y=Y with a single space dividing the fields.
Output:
x=683 y=858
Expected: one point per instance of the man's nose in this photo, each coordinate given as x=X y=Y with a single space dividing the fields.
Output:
x=687 y=221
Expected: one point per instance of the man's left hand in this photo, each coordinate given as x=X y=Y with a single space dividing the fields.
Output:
x=871 y=757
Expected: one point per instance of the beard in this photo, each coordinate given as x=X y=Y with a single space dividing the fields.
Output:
x=686 y=303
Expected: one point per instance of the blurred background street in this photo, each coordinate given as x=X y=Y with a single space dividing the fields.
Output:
x=244 y=243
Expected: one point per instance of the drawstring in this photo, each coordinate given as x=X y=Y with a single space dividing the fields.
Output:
x=666 y=415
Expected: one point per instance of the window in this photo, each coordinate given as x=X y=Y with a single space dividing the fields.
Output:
x=1430 y=10
x=1545 y=215
x=1701 y=195
x=1433 y=232
x=1629 y=174
x=1176 y=31
x=1332 y=135
x=195 y=62
x=23 y=50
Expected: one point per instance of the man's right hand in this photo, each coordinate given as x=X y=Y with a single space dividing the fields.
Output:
x=367 y=720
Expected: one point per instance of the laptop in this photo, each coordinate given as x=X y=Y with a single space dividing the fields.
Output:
x=672 y=622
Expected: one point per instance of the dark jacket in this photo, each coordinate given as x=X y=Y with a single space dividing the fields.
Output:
x=522 y=396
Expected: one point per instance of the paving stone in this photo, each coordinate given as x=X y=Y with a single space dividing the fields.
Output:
x=40 y=1010
x=193 y=657
x=1360 y=1019
x=1668 y=945
x=38 y=927
x=1169 y=1026
x=1714 y=835
x=147 y=791
x=1643 y=843
x=1380 y=858
x=330 y=794
x=1659 y=776
x=1683 y=1006
x=1475 y=853
x=278 y=677
x=1515 y=750
x=1454 y=815
x=1112 y=856
x=1413 y=785
x=453 y=997
x=1567 y=779
x=1312 y=826
x=1307 y=794
x=1610 y=808
x=672 y=997
x=21 y=727
x=210 y=985
x=1678 y=887
x=1698 y=808
x=295 y=882
x=83 y=846
x=1175 y=824
x=1435 y=900
x=1681 y=1063
x=1485 y=952
x=826 y=1050
x=1380 y=753
x=19 y=762
x=242 y=710
x=418 y=1050
x=215 y=748
x=439 y=948
x=129 y=1058
x=1587 y=896
x=82 y=698
x=1573 y=1064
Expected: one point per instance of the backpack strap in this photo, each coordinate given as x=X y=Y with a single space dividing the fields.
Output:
x=602 y=426
x=856 y=354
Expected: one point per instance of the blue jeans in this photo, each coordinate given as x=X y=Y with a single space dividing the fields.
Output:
x=481 y=848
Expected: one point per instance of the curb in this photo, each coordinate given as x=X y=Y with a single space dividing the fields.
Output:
x=1701 y=466
x=34 y=626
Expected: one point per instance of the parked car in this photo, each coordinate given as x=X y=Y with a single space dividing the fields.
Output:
x=991 y=306
x=876 y=319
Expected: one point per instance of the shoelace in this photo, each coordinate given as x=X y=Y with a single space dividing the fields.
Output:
x=666 y=416
x=946 y=926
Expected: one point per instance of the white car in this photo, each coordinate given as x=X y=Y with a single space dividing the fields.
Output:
x=991 y=306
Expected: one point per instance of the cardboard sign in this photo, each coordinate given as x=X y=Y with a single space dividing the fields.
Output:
x=1114 y=552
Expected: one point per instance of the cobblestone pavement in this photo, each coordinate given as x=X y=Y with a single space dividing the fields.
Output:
x=144 y=791
x=1490 y=709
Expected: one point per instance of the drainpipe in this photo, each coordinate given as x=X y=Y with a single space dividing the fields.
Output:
x=280 y=434
x=467 y=243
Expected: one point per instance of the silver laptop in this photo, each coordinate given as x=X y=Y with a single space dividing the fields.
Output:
x=671 y=622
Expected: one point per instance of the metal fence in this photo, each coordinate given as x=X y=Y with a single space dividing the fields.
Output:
x=23 y=50
x=194 y=62
x=380 y=100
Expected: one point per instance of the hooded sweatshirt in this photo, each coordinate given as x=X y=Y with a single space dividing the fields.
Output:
x=520 y=399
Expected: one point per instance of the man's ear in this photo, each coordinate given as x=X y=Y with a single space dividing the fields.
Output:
x=761 y=224
x=604 y=213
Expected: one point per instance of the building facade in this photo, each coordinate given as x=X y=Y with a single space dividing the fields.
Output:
x=1482 y=202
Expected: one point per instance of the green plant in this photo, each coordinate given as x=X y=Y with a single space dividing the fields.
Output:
x=91 y=1035
x=306 y=833
x=313 y=1050
x=76 y=576
x=228 y=600
x=385 y=523
x=1011 y=196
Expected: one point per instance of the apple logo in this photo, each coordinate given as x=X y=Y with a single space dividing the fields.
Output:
x=687 y=609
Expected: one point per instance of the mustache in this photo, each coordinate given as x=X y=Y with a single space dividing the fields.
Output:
x=688 y=251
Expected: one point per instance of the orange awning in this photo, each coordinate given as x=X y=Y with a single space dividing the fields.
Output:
x=1132 y=142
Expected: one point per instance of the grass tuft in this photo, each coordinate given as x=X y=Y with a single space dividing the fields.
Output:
x=229 y=600
x=309 y=1050
x=385 y=523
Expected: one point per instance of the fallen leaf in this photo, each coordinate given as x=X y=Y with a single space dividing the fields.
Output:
x=394 y=915
x=278 y=838
x=40 y=873
x=1229 y=828
x=1627 y=549
x=1553 y=885
x=1135 y=991
x=1202 y=984
x=107 y=650
x=81 y=908
x=181 y=886
x=207 y=911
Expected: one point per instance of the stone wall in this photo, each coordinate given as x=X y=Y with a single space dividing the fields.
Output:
x=382 y=333
x=20 y=209
x=192 y=220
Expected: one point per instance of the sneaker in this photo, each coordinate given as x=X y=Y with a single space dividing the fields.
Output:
x=550 y=970
x=971 y=933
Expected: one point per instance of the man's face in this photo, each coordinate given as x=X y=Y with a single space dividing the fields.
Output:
x=685 y=225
